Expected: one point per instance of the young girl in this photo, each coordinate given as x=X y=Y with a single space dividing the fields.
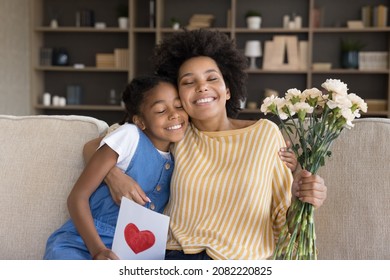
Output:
x=140 y=148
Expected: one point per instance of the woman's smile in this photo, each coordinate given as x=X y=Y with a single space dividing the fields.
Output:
x=205 y=100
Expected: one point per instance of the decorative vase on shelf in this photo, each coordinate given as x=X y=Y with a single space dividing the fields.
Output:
x=60 y=57
x=123 y=22
x=123 y=16
x=54 y=23
x=253 y=22
x=253 y=19
x=176 y=26
x=350 y=49
x=350 y=59
x=175 y=23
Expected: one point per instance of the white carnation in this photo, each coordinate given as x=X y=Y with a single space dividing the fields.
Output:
x=294 y=95
x=284 y=108
x=304 y=107
x=268 y=103
x=314 y=97
x=358 y=101
x=349 y=116
x=335 y=86
x=339 y=101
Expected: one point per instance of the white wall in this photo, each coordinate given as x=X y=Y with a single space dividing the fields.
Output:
x=14 y=57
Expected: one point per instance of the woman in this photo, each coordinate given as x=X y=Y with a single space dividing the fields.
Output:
x=230 y=191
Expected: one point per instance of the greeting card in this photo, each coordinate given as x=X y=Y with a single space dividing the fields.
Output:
x=140 y=234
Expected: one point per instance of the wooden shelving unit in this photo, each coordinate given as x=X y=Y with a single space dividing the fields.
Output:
x=84 y=42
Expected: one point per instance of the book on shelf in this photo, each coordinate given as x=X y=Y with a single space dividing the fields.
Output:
x=279 y=53
x=376 y=105
x=292 y=52
x=85 y=18
x=374 y=16
x=152 y=13
x=274 y=53
x=200 y=21
x=317 y=17
x=373 y=60
x=229 y=18
x=367 y=15
x=105 y=60
x=381 y=16
x=268 y=53
x=303 y=50
x=46 y=56
x=121 y=57
x=282 y=53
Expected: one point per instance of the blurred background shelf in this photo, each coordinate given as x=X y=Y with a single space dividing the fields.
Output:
x=146 y=29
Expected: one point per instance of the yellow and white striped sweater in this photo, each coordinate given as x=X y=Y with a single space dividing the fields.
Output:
x=229 y=192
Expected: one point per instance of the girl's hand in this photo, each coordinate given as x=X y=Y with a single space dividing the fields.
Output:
x=122 y=185
x=309 y=188
x=105 y=254
x=287 y=155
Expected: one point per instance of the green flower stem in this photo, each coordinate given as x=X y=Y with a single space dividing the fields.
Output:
x=301 y=245
x=298 y=246
x=319 y=137
x=320 y=152
x=290 y=246
x=285 y=129
x=302 y=236
x=310 y=230
x=303 y=143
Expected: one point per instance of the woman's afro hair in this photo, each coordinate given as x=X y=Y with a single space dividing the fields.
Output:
x=173 y=51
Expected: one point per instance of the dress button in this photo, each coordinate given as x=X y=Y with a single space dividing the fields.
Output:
x=167 y=166
x=158 y=188
x=152 y=206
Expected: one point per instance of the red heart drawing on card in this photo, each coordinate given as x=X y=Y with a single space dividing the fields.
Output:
x=137 y=240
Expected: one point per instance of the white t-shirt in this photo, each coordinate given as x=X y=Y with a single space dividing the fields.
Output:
x=124 y=141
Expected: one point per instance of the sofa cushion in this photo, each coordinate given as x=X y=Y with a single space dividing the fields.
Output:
x=40 y=160
x=354 y=222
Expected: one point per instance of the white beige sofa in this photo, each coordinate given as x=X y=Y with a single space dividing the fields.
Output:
x=41 y=157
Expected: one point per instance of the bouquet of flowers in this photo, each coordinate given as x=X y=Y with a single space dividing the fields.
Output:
x=312 y=119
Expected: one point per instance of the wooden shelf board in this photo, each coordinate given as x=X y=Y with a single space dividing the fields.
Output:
x=144 y=30
x=377 y=113
x=73 y=69
x=262 y=71
x=270 y=30
x=82 y=107
x=369 y=113
x=350 y=30
x=250 y=111
x=350 y=71
x=81 y=29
